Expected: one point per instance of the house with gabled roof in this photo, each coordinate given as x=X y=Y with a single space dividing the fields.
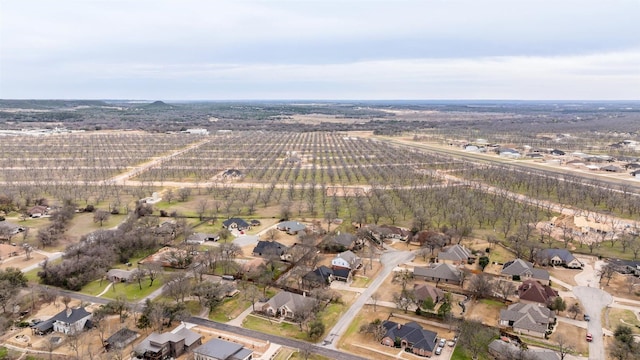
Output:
x=532 y=292
x=200 y=238
x=455 y=255
x=286 y=304
x=558 y=257
x=346 y=260
x=411 y=336
x=519 y=269
x=503 y=350
x=423 y=291
x=218 y=349
x=439 y=273
x=236 y=224
x=529 y=319
x=347 y=241
x=120 y=275
x=322 y=276
x=269 y=248
x=68 y=321
x=291 y=227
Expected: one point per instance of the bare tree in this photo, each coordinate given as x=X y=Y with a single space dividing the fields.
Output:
x=100 y=216
x=481 y=286
x=505 y=288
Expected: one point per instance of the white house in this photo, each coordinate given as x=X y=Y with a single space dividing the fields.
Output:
x=71 y=321
x=346 y=260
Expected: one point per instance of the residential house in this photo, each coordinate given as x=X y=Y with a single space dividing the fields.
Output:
x=532 y=292
x=236 y=224
x=200 y=238
x=423 y=291
x=529 y=319
x=119 y=275
x=286 y=304
x=611 y=168
x=439 y=272
x=217 y=349
x=455 y=255
x=556 y=152
x=291 y=227
x=519 y=269
x=8 y=230
x=68 y=321
x=502 y=350
x=170 y=344
x=411 y=336
x=557 y=257
x=346 y=260
x=509 y=153
x=341 y=274
x=318 y=278
x=269 y=248
x=395 y=233
x=347 y=241
x=166 y=230
x=627 y=267
x=38 y=211
x=120 y=339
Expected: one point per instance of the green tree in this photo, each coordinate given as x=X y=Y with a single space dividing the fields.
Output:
x=445 y=308
x=483 y=262
x=558 y=305
x=316 y=329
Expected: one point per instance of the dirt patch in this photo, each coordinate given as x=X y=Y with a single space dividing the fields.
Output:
x=572 y=335
x=620 y=287
x=564 y=275
x=21 y=261
x=488 y=312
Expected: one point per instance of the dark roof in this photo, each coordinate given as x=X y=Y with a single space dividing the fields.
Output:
x=123 y=335
x=74 y=315
x=345 y=239
x=320 y=274
x=270 y=248
x=341 y=273
x=222 y=350
x=240 y=222
x=439 y=271
x=424 y=291
x=532 y=290
x=413 y=333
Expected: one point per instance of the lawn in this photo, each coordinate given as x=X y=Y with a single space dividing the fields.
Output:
x=623 y=317
x=361 y=282
x=82 y=224
x=132 y=291
x=282 y=329
x=229 y=309
x=284 y=354
x=95 y=287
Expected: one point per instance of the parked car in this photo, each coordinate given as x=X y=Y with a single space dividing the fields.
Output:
x=589 y=337
x=442 y=342
x=587 y=317
x=451 y=343
x=439 y=350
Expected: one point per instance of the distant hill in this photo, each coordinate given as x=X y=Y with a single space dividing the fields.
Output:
x=49 y=104
x=158 y=105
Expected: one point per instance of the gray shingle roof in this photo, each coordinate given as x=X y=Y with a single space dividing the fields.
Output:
x=527 y=316
x=455 y=253
x=290 y=300
x=520 y=267
x=413 y=333
x=440 y=271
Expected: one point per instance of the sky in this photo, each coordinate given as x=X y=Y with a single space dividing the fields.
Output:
x=325 y=50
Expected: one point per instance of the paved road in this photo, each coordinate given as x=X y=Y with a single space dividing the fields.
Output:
x=594 y=300
x=389 y=260
x=296 y=344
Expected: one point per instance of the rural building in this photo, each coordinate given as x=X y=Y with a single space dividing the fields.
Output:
x=119 y=275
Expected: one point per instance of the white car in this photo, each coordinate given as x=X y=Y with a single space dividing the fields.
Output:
x=439 y=350
x=442 y=342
